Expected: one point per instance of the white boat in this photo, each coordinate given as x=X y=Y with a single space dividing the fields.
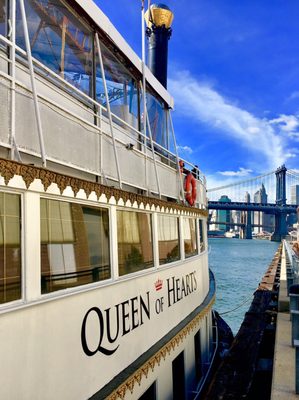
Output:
x=105 y=290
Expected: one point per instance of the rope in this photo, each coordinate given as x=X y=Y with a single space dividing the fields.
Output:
x=239 y=306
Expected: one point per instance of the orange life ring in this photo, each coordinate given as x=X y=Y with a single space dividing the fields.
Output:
x=190 y=189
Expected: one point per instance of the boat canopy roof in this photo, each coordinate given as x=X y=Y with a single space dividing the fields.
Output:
x=105 y=25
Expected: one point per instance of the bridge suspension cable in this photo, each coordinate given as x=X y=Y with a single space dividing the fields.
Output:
x=256 y=178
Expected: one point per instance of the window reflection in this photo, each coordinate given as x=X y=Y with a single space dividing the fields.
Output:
x=74 y=245
x=10 y=247
x=134 y=236
x=121 y=87
x=58 y=40
x=157 y=119
x=202 y=239
x=3 y=16
x=168 y=237
x=62 y=42
x=189 y=235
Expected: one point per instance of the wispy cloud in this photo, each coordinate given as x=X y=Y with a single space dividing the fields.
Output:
x=293 y=95
x=200 y=101
x=287 y=123
x=185 y=149
x=242 y=172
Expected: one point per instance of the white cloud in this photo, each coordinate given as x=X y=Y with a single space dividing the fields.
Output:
x=241 y=172
x=293 y=95
x=185 y=149
x=287 y=123
x=201 y=102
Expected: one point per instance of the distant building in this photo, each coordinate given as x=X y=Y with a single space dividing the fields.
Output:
x=247 y=197
x=213 y=219
x=224 y=216
x=295 y=194
x=236 y=219
x=265 y=221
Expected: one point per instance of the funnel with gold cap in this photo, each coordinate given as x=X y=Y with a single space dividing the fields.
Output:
x=158 y=19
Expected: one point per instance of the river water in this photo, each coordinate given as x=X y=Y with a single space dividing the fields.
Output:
x=238 y=266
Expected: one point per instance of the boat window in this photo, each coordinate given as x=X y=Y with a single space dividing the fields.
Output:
x=74 y=245
x=58 y=40
x=150 y=393
x=198 y=357
x=178 y=377
x=135 y=245
x=121 y=87
x=189 y=235
x=157 y=119
x=3 y=17
x=202 y=239
x=168 y=238
x=10 y=247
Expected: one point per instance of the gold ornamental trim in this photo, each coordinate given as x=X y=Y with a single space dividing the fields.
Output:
x=9 y=169
x=159 y=16
x=156 y=359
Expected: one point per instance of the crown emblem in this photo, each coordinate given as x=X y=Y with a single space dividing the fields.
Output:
x=158 y=284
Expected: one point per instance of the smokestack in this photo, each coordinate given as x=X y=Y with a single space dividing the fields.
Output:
x=158 y=19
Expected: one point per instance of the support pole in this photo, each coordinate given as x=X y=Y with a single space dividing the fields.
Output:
x=296 y=345
x=144 y=90
x=13 y=79
x=153 y=154
x=109 y=110
x=177 y=155
x=34 y=91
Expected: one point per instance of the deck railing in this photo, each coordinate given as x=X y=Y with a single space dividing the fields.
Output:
x=93 y=116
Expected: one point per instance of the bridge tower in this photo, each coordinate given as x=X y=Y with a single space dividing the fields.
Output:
x=280 y=230
x=280 y=173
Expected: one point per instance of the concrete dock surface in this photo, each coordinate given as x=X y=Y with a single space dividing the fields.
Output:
x=283 y=382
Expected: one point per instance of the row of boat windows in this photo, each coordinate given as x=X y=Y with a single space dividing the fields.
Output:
x=75 y=241
x=66 y=45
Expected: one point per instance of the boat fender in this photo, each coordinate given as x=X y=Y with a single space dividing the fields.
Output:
x=190 y=189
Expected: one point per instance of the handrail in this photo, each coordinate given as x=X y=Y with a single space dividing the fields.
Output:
x=91 y=100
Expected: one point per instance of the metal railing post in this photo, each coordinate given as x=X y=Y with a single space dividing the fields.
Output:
x=296 y=345
x=153 y=154
x=32 y=77
x=177 y=156
x=295 y=325
x=290 y=280
x=108 y=109
x=143 y=88
x=12 y=35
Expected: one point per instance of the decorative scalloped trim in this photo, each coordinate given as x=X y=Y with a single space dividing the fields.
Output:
x=155 y=360
x=8 y=169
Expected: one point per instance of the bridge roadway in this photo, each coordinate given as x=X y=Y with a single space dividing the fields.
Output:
x=270 y=208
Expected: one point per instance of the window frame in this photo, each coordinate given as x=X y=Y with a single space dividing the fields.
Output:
x=21 y=300
x=79 y=288
x=180 y=238
x=144 y=270
x=196 y=236
x=202 y=239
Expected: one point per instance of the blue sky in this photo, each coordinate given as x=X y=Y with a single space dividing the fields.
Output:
x=234 y=75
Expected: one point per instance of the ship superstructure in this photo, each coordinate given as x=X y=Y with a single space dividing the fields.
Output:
x=105 y=290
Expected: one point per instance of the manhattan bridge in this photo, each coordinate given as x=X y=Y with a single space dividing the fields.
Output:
x=267 y=202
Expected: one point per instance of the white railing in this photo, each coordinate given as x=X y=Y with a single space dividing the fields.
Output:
x=128 y=136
